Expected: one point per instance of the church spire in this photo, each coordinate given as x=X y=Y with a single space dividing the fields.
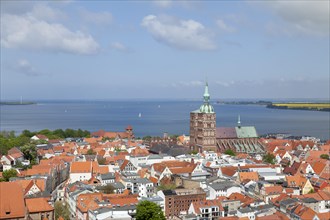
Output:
x=206 y=93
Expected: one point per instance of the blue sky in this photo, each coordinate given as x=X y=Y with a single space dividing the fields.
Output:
x=164 y=49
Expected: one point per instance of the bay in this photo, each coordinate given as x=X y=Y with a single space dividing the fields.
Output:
x=157 y=117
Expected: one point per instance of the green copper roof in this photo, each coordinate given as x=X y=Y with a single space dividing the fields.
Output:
x=206 y=93
x=206 y=107
x=246 y=132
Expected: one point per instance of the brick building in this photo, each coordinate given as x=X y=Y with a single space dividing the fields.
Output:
x=203 y=126
x=178 y=201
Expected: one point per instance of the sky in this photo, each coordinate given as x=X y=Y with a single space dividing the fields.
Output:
x=164 y=49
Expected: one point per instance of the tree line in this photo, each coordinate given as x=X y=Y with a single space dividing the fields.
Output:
x=8 y=139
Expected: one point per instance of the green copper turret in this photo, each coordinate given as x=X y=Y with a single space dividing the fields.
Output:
x=206 y=107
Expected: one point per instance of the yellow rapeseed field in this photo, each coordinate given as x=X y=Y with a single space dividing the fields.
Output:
x=304 y=105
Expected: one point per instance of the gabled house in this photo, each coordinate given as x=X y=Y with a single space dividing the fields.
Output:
x=39 y=208
x=207 y=209
x=32 y=186
x=301 y=182
x=247 y=176
x=39 y=137
x=271 y=192
x=127 y=166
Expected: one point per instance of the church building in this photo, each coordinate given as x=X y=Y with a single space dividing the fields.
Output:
x=203 y=126
x=205 y=136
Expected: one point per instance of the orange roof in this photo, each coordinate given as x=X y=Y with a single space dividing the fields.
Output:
x=11 y=200
x=81 y=167
x=248 y=176
x=296 y=180
x=27 y=184
x=269 y=190
x=205 y=204
x=123 y=201
x=228 y=171
x=181 y=170
x=87 y=201
x=39 y=169
x=174 y=166
x=153 y=179
x=38 y=205
x=324 y=216
x=316 y=154
x=93 y=140
x=139 y=152
x=304 y=212
x=97 y=169
x=318 y=167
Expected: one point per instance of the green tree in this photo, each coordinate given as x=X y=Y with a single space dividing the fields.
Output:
x=59 y=133
x=107 y=189
x=91 y=152
x=311 y=191
x=45 y=132
x=194 y=152
x=29 y=151
x=146 y=210
x=27 y=133
x=147 y=138
x=7 y=174
x=269 y=158
x=8 y=140
x=101 y=161
x=62 y=210
x=325 y=156
x=230 y=152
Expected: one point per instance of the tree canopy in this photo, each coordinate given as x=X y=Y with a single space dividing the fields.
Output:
x=7 y=174
x=29 y=151
x=8 y=139
x=230 y=152
x=107 y=189
x=269 y=158
x=62 y=210
x=325 y=156
x=149 y=211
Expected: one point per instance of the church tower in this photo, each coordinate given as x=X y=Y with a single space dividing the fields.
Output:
x=203 y=125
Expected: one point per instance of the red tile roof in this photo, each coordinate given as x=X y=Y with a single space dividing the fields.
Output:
x=36 y=205
x=11 y=200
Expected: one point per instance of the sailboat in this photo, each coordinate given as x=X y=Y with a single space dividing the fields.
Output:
x=140 y=115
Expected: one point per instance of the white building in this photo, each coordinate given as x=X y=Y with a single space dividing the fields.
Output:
x=80 y=171
x=222 y=189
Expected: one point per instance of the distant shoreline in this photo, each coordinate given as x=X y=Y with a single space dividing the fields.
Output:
x=309 y=106
x=301 y=106
x=18 y=103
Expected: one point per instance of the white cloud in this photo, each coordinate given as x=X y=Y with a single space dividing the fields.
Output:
x=44 y=12
x=119 y=47
x=225 y=27
x=163 y=3
x=99 y=18
x=28 y=32
x=181 y=34
x=225 y=84
x=194 y=83
x=23 y=66
x=308 y=17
